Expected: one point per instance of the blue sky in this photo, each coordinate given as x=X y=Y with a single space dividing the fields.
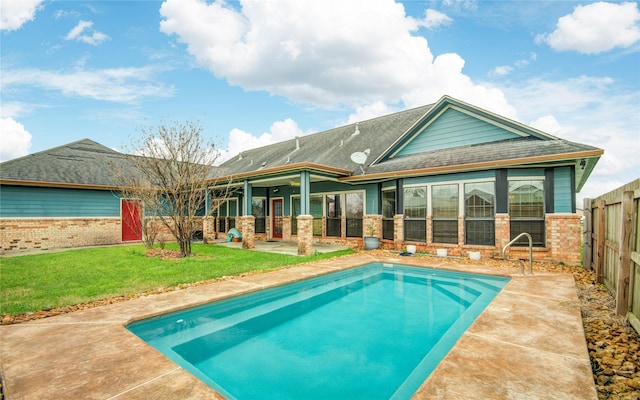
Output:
x=257 y=72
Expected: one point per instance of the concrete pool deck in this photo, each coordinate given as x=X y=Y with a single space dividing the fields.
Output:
x=527 y=344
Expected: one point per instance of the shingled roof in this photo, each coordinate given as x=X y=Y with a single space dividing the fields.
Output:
x=84 y=162
x=380 y=136
x=332 y=148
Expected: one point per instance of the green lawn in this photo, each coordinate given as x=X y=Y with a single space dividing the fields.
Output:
x=45 y=281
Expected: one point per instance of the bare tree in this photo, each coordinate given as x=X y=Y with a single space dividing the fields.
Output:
x=168 y=171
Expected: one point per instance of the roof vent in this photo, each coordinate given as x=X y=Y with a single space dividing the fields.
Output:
x=297 y=143
x=341 y=143
x=250 y=162
x=264 y=164
x=239 y=156
x=288 y=159
x=357 y=131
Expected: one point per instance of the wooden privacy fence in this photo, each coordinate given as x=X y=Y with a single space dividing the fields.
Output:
x=612 y=246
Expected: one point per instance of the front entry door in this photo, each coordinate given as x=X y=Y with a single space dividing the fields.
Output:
x=276 y=216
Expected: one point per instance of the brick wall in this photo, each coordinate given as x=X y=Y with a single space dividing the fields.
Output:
x=24 y=234
x=564 y=237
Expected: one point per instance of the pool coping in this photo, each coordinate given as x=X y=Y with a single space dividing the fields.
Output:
x=533 y=329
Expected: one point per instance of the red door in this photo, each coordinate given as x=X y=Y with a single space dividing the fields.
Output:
x=131 y=222
x=276 y=216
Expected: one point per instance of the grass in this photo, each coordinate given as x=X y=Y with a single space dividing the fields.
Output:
x=42 y=282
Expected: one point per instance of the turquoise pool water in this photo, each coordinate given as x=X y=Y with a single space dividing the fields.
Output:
x=372 y=332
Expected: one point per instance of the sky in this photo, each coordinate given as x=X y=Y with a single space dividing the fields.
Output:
x=251 y=73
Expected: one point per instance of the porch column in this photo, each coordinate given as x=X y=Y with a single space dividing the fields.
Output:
x=305 y=219
x=208 y=229
x=305 y=235
x=305 y=193
x=247 y=199
x=248 y=224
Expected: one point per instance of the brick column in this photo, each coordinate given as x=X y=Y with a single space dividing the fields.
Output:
x=248 y=228
x=461 y=237
x=305 y=235
x=503 y=231
x=563 y=236
x=398 y=231
x=208 y=229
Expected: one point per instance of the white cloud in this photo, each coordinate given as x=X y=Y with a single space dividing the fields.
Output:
x=122 y=85
x=595 y=28
x=332 y=53
x=94 y=38
x=15 y=13
x=279 y=131
x=434 y=19
x=501 y=70
x=589 y=110
x=16 y=141
x=370 y=111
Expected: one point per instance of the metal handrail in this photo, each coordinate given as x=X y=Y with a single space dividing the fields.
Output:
x=504 y=249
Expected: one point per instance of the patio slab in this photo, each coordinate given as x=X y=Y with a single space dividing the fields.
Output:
x=528 y=343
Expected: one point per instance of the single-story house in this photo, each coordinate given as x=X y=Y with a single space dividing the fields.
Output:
x=448 y=175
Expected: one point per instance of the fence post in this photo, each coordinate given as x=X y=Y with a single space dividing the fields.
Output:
x=587 y=236
x=624 y=265
x=600 y=240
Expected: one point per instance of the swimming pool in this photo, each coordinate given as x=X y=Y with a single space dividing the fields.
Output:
x=375 y=331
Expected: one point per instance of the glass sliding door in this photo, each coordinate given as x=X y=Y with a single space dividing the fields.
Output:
x=354 y=213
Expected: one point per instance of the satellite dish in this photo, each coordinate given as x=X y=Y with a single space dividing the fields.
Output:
x=359 y=157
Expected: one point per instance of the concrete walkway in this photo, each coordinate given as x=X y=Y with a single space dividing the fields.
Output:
x=283 y=247
x=528 y=344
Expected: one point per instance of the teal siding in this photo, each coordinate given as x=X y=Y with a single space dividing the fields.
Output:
x=562 y=201
x=450 y=177
x=454 y=129
x=32 y=202
x=371 y=195
x=517 y=172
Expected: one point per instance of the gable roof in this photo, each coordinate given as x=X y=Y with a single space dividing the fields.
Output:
x=387 y=147
x=386 y=141
x=83 y=163
x=332 y=148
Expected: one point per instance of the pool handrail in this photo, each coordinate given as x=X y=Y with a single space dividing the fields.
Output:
x=504 y=249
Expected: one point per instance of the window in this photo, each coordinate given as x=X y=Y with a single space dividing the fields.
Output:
x=233 y=212
x=295 y=211
x=221 y=213
x=388 y=211
x=479 y=214
x=354 y=211
x=415 y=212
x=444 y=204
x=315 y=204
x=258 y=211
x=526 y=211
x=334 y=215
